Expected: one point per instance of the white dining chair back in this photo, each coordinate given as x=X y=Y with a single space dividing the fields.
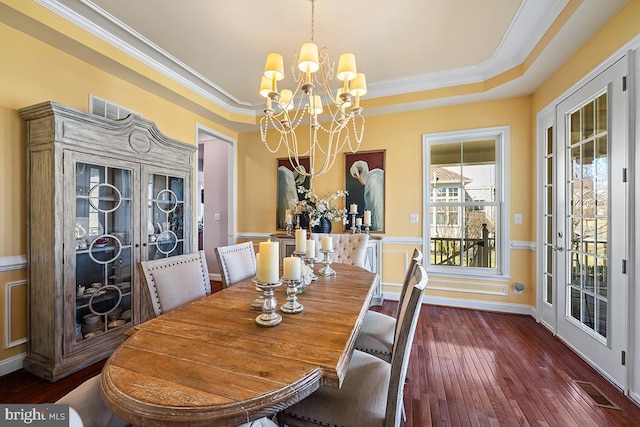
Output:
x=86 y=400
x=416 y=259
x=176 y=280
x=405 y=332
x=347 y=248
x=377 y=334
x=237 y=262
x=372 y=390
x=90 y=410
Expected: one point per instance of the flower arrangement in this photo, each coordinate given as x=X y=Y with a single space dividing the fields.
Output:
x=319 y=207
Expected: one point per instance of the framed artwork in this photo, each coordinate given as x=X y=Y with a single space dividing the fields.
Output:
x=364 y=180
x=288 y=182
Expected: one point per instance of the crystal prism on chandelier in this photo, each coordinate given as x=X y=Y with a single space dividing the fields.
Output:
x=342 y=121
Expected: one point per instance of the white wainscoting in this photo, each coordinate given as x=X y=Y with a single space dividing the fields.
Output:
x=17 y=262
x=11 y=341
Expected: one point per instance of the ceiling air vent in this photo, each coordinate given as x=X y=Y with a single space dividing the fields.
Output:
x=108 y=109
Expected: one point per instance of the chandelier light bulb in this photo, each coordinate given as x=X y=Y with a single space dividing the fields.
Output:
x=346 y=67
x=286 y=99
x=308 y=62
x=265 y=86
x=274 y=67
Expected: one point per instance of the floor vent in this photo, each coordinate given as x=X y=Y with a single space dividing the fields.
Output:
x=596 y=395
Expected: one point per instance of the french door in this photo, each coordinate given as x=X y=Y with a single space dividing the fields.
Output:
x=587 y=233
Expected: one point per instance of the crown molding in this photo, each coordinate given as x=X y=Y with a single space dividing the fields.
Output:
x=532 y=20
x=109 y=29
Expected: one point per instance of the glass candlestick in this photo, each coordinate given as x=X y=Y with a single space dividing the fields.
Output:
x=366 y=228
x=288 y=229
x=259 y=301
x=302 y=286
x=310 y=263
x=326 y=269
x=269 y=317
x=353 y=223
x=292 y=305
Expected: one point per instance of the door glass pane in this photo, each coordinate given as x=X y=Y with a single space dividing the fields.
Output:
x=589 y=188
x=165 y=216
x=103 y=261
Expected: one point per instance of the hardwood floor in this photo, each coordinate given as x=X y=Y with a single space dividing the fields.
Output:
x=467 y=368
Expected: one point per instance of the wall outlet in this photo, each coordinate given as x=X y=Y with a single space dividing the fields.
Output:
x=517 y=218
x=216 y=217
x=414 y=218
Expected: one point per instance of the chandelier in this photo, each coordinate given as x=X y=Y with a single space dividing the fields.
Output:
x=341 y=123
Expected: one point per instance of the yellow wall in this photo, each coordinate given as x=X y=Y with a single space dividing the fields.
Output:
x=401 y=136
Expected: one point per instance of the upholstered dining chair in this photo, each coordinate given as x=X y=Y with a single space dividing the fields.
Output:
x=176 y=280
x=237 y=262
x=347 y=248
x=377 y=333
x=372 y=390
x=86 y=401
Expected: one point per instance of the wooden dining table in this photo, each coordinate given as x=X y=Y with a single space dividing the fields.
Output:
x=208 y=363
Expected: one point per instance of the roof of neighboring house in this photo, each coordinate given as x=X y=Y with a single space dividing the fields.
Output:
x=446 y=175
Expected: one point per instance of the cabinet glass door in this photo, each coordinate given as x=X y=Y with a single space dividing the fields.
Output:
x=165 y=216
x=103 y=261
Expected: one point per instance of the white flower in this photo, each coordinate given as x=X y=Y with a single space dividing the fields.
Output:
x=317 y=207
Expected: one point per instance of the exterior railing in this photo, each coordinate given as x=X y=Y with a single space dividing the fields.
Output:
x=463 y=252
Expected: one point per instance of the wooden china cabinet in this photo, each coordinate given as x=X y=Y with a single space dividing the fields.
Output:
x=102 y=196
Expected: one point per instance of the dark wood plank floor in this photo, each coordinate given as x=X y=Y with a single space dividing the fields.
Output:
x=476 y=368
x=467 y=368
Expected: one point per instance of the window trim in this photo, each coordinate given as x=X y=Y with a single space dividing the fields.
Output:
x=502 y=136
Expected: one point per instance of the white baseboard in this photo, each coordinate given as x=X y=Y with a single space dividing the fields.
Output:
x=11 y=364
x=472 y=304
x=215 y=277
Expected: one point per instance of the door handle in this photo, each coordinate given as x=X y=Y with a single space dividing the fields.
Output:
x=557 y=248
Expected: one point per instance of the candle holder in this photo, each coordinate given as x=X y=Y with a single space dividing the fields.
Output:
x=326 y=269
x=269 y=316
x=366 y=228
x=310 y=261
x=288 y=229
x=353 y=223
x=259 y=301
x=303 y=257
x=292 y=305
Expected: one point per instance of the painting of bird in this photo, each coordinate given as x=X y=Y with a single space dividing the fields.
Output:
x=288 y=182
x=365 y=185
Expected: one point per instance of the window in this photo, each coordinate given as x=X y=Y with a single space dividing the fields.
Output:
x=464 y=202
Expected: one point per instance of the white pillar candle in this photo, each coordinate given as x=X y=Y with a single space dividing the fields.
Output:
x=268 y=267
x=311 y=248
x=301 y=238
x=353 y=209
x=326 y=243
x=292 y=269
x=288 y=219
x=358 y=221
x=367 y=217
